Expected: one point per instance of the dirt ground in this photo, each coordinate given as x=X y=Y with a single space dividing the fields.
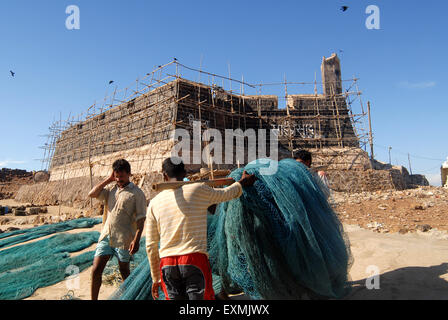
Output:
x=387 y=235
x=410 y=266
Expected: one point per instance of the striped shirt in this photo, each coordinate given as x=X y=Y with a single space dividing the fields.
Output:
x=178 y=220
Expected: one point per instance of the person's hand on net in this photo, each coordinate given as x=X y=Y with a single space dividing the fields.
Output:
x=247 y=179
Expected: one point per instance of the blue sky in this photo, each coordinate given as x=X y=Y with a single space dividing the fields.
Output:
x=402 y=67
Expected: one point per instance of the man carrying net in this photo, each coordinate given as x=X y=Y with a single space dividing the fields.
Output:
x=178 y=220
x=304 y=157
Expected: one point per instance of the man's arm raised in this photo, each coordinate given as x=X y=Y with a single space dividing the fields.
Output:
x=95 y=192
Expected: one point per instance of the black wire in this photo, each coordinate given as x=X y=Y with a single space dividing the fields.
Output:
x=411 y=155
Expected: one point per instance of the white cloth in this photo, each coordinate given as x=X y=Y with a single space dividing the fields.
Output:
x=323 y=183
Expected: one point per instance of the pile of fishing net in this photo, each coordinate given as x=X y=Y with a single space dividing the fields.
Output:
x=19 y=236
x=30 y=266
x=279 y=240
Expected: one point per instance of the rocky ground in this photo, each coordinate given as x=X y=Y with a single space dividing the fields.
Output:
x=11 y=180
x=408 y=245
x=23 y=216
x=422 y=209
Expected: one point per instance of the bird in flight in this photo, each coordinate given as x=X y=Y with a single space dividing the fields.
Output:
x=344 y=8
x=12 y=73
x=111 y=81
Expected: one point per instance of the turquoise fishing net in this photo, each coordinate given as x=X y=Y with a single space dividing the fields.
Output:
x=136 y=260
x=27 y=267
x=279 y=240
x=137 y=286
x=19 y=236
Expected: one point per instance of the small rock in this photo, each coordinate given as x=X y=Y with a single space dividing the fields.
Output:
x=10 y=229
x=33 y=210
x=418 y=207
x=43 y=210
x=19 y=213
x=374 y=225
x=41 y=176
x=383 y=206
x=424 y=227
x=4 y=221
x=36 y=220
x=22 y=222
x=403 y=231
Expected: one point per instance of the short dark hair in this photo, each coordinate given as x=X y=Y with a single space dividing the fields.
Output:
x=303 y=155
x=121 y=165
x=173 y=167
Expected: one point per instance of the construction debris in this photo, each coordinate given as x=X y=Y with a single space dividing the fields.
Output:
x=394 y=210
x=11 y=180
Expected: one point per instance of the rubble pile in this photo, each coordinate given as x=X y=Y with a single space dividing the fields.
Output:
x=421 y=209
x=11 y=180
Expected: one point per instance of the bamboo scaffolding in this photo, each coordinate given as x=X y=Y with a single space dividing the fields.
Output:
x=143 y=114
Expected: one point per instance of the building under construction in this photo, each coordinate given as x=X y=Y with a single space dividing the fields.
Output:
x=139 y=123
x=141 y=127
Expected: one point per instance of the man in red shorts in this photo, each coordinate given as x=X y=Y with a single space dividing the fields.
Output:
x=177 y=219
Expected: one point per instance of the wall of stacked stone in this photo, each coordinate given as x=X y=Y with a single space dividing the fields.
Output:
x=373 y=180
x=354 y=181
x=341 y=158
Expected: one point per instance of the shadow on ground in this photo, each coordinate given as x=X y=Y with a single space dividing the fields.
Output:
x=407 y=283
